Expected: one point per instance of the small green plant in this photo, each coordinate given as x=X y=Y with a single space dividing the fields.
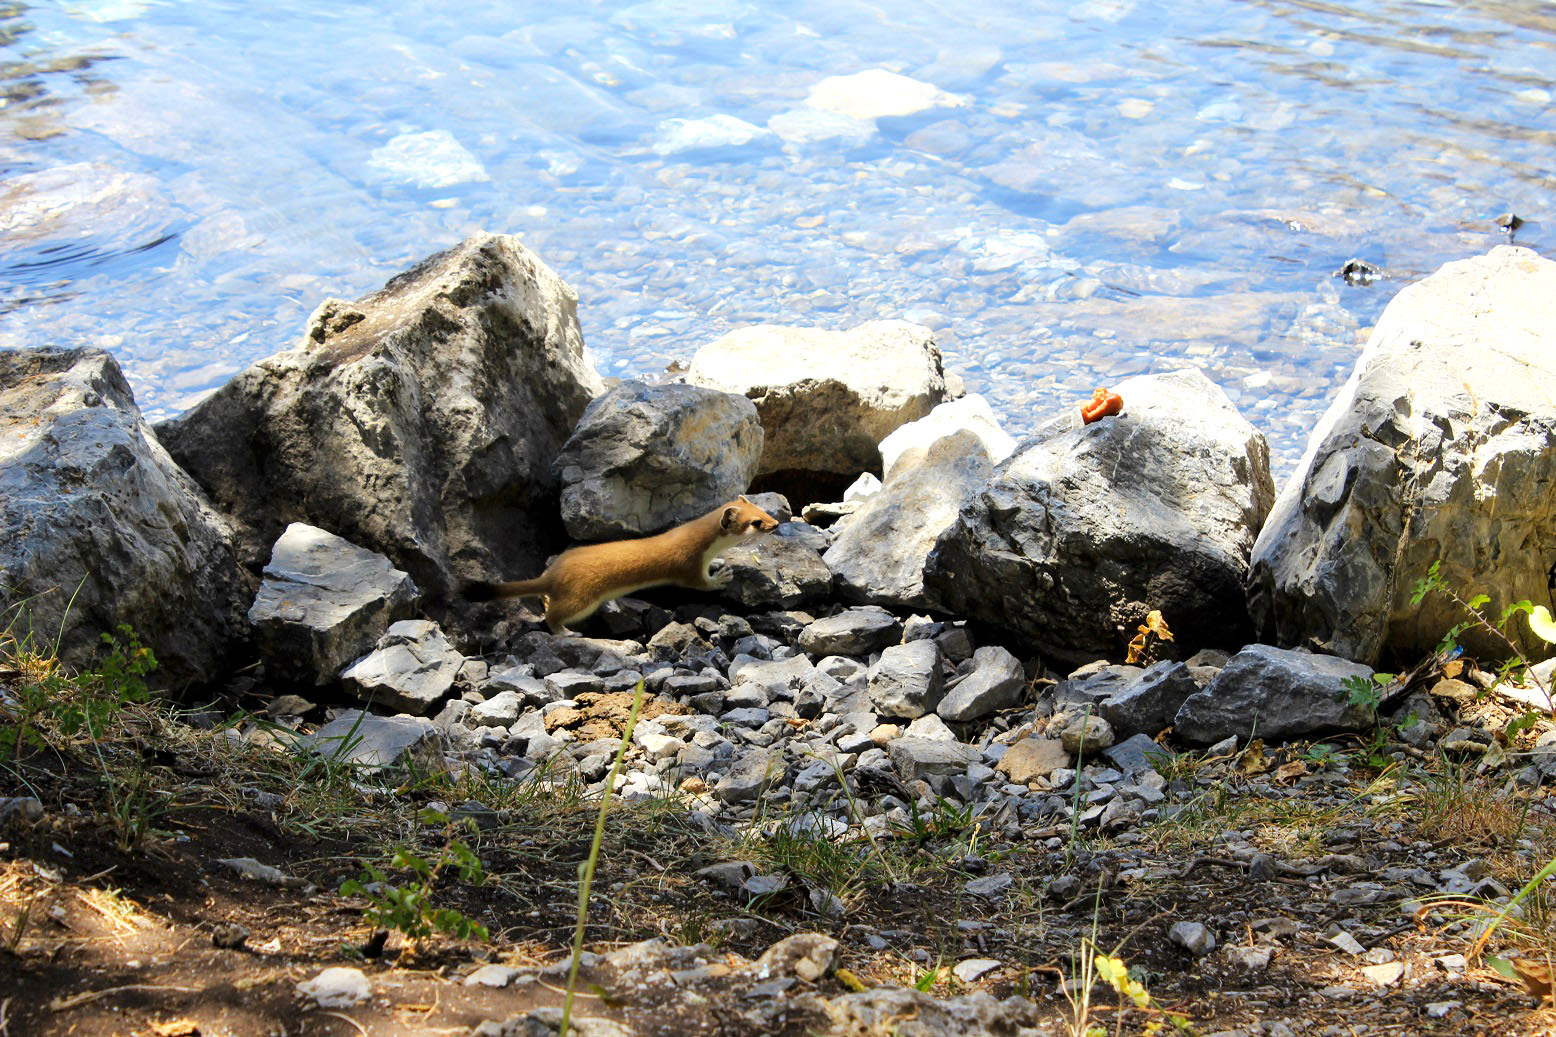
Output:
x=408 y=909
x=1366 y=692
x=586 y=868
x=1475 y=617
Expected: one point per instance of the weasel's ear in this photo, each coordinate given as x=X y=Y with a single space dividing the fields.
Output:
x=730 y=517
x=741 y=496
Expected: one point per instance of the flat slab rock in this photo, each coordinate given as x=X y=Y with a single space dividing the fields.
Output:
x=322 y=602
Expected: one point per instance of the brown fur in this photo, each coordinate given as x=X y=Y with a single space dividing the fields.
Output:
x=582 y=579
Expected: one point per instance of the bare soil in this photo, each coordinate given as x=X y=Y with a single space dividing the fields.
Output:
x=120 y=920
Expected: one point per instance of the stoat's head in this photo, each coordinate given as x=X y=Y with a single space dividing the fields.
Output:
x=742 y=518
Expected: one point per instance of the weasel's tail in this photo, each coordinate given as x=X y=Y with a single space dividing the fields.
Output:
x=479 y=591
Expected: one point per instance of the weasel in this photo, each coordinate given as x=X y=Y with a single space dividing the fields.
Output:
x=581 y=579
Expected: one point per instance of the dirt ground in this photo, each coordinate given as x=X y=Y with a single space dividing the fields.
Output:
x=116 y=916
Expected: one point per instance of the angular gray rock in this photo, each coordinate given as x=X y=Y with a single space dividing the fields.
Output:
x=1137 y=754
x=1132 y=700
x=775 y=572
x=996 y=682
x=881 y=551
x=322 y=603
x=826 y=398
x=748 y=775
x=647 y=457
x=412 y=669
x=99 y=527
x=420 y=421
x=1438 y=448
x=926 y=758
x=906 y=681
x=1273 y=693
x=855 y=631
x=370 y=740
x=1085 y=530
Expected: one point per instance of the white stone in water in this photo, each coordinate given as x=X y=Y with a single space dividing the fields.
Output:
x=804 y=125
x=716 y=131
x=875 y=93
x=429 y=159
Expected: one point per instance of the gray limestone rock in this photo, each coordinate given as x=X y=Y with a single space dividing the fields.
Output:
x=826 y=398
x=1193 y=937
x=1085 y=734
x=501 y=710
x=880 y=554
x=98 y=526
x=906 y=680
x=748 y=775
x=996 y=682
x=323 y=602
x=644 y=458
x=412 y=669
x=1132 y=700
x=420 y=421
x=1438 y=449
x=855 y=631
x=1084 y=530
x=1273 y=693
x=916 y=758
x=774 y=572
x=1136 y=754
x=369 y=740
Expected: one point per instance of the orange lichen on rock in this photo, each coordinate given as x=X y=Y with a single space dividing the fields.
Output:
x=1103 y=403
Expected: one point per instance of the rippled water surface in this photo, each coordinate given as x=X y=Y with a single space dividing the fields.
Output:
x=1067 y=193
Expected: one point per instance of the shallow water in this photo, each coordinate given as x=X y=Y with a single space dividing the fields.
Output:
x=1067 y=193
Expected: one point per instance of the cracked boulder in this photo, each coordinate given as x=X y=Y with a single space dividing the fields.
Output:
x=1438 y=449
x=420 y=421
x=1086 y=529
x=98 y=525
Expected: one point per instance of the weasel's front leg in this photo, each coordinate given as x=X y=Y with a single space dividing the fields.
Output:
x=720 y=579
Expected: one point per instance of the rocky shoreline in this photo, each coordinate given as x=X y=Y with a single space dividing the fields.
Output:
x=936 y=625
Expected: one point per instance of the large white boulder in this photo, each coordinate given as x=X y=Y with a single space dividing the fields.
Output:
x=826 y=398
x=1438 y=449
